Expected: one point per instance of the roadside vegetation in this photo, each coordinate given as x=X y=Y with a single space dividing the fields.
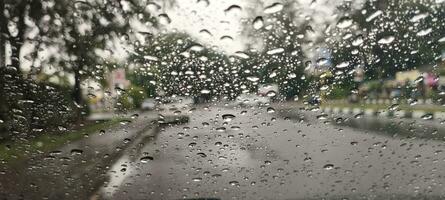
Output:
x=20 y=149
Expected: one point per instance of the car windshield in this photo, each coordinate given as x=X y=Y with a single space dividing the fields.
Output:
x=222 y=99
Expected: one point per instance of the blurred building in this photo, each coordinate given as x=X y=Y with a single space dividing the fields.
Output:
x=116 y=80
x=407 y=76
x=102 y=98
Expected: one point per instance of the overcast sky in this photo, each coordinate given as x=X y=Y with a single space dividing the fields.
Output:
x=192 y=16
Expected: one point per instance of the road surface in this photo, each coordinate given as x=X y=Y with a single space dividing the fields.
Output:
x=279 y=153
x=276 y=152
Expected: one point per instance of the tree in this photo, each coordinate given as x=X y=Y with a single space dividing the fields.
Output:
x=177 y=65
x=76 y=29
x=279 y=57
x=391 y=36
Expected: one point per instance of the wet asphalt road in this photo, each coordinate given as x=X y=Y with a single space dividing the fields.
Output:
x=242 y=153
x=286 y=154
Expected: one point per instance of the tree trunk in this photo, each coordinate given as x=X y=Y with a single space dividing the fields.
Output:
x=77 y=93
x=17 y=41
x=3 y=33
x=15 y=53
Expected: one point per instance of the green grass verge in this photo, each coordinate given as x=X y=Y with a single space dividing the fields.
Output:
x=21 y=149
x=405 y=107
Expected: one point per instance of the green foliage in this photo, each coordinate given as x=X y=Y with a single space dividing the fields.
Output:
x=29 y=108
x=142 y=80
x=124 y=103
x=408 y=50
x=137 y=94
x=13 y=151
x=339 y=92
x=286 y=68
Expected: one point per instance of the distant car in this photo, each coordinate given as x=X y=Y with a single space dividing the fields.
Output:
x=314 y=101
x=353 y=98
x=395 y=93
x=252 y=100
x=176 y=103
x=148 y=104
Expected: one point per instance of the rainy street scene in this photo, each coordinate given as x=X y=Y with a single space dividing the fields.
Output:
x=222 y=99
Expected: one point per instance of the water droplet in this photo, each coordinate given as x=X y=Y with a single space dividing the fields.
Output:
x=374 y=15
x=344 y=22
x=193 y=144
x=386 y=40
x=427 y=116
x=234 y=183
x=196 y=48
x=394 y=107
x=205 y=32
x=258 y=23
x=233 y=9
x=146 y=159
x=412 y=102
x=151 y=58
x=226 y=38
x=164 y=19
x=322 y=116
x=216 y=175
x=358 y=41
x=273 y=8
x=418 y=79
x=202 y=155
x=322 y=61
x=241 y=54
x=271 y=93
x=424 y=32
x=205 y=91
x=253 y=78
x=76 y=152
x=328 y=166
x=270 y=110
x=125 y=122
x=359 y=115
x=228 y=117
x=221 y=129
x=55 y=153
x=419 y=17
x=203 y=2
x=342 y=65
x=339 y=120
x=275 y=51
x=197 y=179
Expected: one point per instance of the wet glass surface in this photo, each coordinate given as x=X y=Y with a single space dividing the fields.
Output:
x=209 y=99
